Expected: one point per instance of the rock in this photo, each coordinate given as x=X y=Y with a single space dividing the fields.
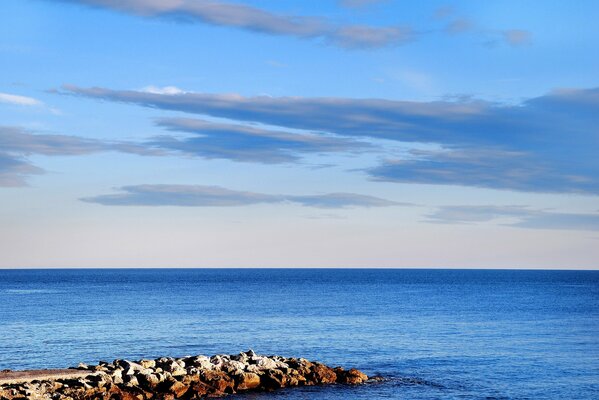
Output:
x=233 y=367
x=188 y=378
x=266 y=363
x=178 y=389
x=201 y=362
x=117 y=376
x=129 y=365
x=247 y=381
x=147 y=363
x=178 y=371
x=274 y=379
x=351 y=377
x=100 y=368
x=149 y=381
x=200 y=389
x=131 y=380
x=253 y=368
x=321 y=374
x=218 y=380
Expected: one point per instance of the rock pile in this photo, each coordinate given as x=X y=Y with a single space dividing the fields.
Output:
x=186 y=378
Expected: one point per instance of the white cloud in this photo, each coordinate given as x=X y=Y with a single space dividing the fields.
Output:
x=19 y=100
x=172 y=90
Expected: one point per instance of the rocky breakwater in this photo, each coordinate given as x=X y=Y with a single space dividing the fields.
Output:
x=174 y=378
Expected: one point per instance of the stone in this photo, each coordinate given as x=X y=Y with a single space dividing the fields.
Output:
x=131 y=380
x=148 y=363
x=129 y=365
x=149 y=381
x=351 y=377
x=234 y=365
x=201 y=362
x=273 y=379
x=117 y=376
x=321 y=374
x=220 y=381
x=178 y=389
x=266 y=363
x=247 y=381
x=178 y=371
x=188 y=378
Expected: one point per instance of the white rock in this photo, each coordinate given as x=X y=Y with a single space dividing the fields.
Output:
x=266 y=363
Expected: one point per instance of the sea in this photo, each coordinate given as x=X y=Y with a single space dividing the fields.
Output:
x=432 y=334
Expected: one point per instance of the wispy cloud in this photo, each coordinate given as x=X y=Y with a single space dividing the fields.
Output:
x=518 y=216
x=215 y=196
x=196 y=137
x=359 y=3
x=456 y=24
x=320 y=28
x=17 y=143
x=19 y=100
x=363 y=36
x=459 y=25
x=260 y=20
x=14 y=170
x=517 y=37
x=485 y=168
x=547 y=144
x=247 y=143
x=341 y=200
x=21 y=141
x=443 y=12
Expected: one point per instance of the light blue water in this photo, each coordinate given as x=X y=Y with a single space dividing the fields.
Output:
x=436 y=334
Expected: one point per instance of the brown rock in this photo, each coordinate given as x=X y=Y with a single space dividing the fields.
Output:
x=276 y=379
x=199 y=389
x=247 y=381
x=116 y=393
x=351 y=377
x=321 y=374
x=219 y=381
x=178 y=389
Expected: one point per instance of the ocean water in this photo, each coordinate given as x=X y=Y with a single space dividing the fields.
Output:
x=434 y=334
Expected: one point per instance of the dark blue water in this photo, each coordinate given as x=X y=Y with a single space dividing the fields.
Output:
x=436 y=334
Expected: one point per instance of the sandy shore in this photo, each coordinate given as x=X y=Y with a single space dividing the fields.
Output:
x=14 y=377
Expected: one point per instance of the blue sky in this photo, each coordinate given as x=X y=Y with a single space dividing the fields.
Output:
x=299 y=134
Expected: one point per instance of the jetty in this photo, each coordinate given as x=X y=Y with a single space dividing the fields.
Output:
x=168 y=378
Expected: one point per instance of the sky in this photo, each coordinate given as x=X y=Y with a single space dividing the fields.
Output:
x=269 y=133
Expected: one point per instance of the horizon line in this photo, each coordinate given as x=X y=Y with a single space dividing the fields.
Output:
x=595 y=269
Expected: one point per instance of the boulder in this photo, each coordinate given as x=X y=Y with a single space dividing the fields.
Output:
x=178 y=389
x=247 y=381
x=148 y=363
x=351 y=377
x=321 y=374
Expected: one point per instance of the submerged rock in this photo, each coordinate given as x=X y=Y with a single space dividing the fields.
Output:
x=174 y=378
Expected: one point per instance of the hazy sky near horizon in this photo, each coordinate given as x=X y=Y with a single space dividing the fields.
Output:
x=269 y=133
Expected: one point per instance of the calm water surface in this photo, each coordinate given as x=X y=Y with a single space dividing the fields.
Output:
x=435 y=334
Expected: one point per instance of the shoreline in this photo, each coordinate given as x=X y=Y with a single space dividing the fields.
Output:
x=169 y=378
